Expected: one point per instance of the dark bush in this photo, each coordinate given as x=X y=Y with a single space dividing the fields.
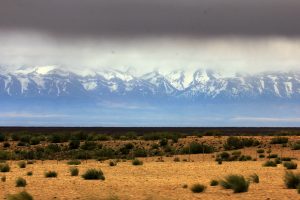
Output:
x=74 y=162
x=176 y=159
x=196 y=148
x=286 y=158
x=279 y=140
x=20 y=196
x=52 y=148
x=56 y=138
x=129 y=146
x=137 y=162
x=51 y=174
x=260 y=151
x=2 y=137
x=21 y=182
x=273 y=156
x=296 y=146
x=34 y=141
x=29 y=173
x=140 y=153
x=261 y=156
x=4 y=155
x=233 y=143
x=89 y=145
x=235 y=182
x=22 y=164
x=254 y=178
x=290 y=165
x=163 y=142
x=291 y=180
x=93 y=174
x=198 y=188
x=74 y=144
x=25 y=138
x=30 y=162
x=3 y=178
x=224 y=155
x=270 y=163
x=214 y=183
x=112 y=163
x=74 y=171
x=277 y=161
x=6 y=145
x=4 y=167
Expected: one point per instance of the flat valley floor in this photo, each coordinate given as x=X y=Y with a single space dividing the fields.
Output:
x=152 y=180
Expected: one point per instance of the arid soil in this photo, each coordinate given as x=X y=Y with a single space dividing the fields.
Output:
x=153 y=180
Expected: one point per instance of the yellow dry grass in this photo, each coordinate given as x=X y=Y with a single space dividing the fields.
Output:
x=153 y=180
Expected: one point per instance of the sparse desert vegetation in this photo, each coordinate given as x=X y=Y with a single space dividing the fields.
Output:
x=167 y=163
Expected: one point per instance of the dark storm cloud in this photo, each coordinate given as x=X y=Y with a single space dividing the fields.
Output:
x=128 y=18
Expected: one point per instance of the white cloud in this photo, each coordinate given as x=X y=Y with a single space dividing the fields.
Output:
x=145 y=54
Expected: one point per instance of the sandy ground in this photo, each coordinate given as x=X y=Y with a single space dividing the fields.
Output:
x=153 y=180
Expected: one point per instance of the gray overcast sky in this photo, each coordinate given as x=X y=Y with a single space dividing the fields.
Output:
x=249 y=35
x=153 y=17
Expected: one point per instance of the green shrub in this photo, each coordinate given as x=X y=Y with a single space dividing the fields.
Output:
x=2 y=137
x=20 y=196
x=89 y=145
x=30 y=162
x=74 y=162
x=291 y=180
x=260 y=151
x=236 y=153
x=163 y=142
x=214 y=183
x=140 y=153
x=74 y=144
x=74 y=171
x=245 y=158
x=4 y=155
x=273 y=156
x=6 y=145
x=137 y=162
x=196 y=148
x=29 y=173
x=34 y=141
x=198 y=188
x=51 y=174
x=4 y=167
x=22 y=164
x=296 y=146
x=93 y=174
x=176 y=159
x=261 y=156
x=277 y=161
x=21 y=182
x=255 y=178
x=235 y=182
x=290 y=165
x=270 y=163
x=233 y=143
x=279 y=140
x=112 y=163
x=224 y=155
x=286 y=159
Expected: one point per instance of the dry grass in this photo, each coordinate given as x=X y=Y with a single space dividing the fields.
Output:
x=156 y=180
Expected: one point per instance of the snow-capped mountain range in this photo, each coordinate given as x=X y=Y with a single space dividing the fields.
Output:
x=196 y=86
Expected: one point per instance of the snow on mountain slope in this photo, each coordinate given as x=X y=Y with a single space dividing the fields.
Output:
x=49 y=81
